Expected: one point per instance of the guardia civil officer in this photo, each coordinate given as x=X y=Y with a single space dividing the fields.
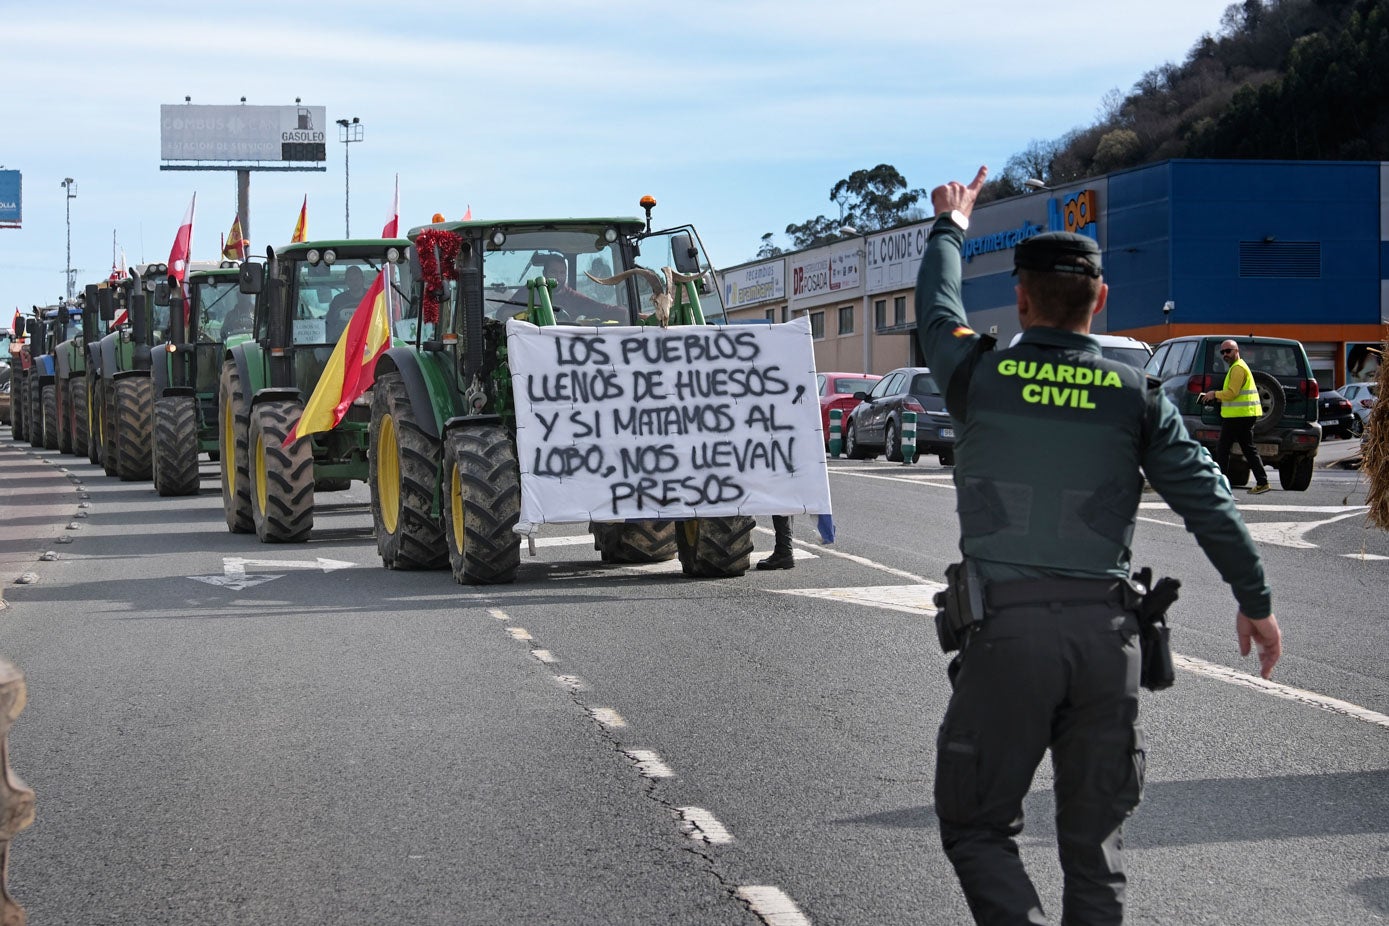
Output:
x=1053 y=442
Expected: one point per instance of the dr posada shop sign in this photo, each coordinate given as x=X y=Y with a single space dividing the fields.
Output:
x=629 y=423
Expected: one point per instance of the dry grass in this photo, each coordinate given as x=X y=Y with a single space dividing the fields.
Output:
x=1376 y=465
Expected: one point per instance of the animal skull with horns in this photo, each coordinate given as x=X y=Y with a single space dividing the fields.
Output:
x=662 y=290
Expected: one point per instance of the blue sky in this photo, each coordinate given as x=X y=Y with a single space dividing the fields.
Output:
x=737 y=116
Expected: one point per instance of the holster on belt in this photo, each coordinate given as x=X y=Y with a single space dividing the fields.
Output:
x=1156 y=671
x=960 y=606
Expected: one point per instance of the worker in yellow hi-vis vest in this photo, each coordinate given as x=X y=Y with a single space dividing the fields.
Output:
x=1239 y=409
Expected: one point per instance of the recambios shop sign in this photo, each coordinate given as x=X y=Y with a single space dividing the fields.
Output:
x=242 y=133
x=11 y=199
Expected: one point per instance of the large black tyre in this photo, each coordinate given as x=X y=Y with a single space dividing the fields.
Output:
x=81 y=422
x=17 y=417
x=233 y=434
x=715 y=548
x=1237 y=471
x=852 y=448
x=403 y=467
x=35 y=409
x=95 y=435
x=51 y=424
x=108 y=428
x=134 y=427
x=64 y=420
x=176 y=445
x=1357 y=427
x=634 y=541
x=281 y=478
x=483 y=505
x=1295 y=473
x=1272 y=399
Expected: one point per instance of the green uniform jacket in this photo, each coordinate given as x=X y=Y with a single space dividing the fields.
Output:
x=1034 y=446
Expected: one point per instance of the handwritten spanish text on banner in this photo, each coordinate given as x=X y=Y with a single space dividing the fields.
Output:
x=699 y=421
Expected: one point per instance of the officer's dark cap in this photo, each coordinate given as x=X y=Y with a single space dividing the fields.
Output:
x=1059 y=252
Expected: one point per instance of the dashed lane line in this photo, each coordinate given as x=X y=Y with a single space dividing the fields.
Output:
x=702 y=825
x=649 y=764
x=772 y=905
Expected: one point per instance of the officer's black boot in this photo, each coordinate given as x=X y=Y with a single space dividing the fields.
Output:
x=782 y=557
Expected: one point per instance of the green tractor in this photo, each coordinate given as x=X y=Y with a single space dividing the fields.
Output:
x=305 y=295
x=64 y=408
x=123 y=397
x=445 y=480
x=213 y=316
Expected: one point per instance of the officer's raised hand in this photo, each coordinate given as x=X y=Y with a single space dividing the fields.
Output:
x=1266 y=635
x=956 y=197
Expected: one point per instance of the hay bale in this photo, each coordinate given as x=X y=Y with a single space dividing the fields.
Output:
x=1376 y=466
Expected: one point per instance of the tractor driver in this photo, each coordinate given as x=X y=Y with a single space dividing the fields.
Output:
x=570 y=304
x=345 y=303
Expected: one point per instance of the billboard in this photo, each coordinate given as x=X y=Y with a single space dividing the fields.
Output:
x=758 y=283
x=242 y=133
x=11 y=199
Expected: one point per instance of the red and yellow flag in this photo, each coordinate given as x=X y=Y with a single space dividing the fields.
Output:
x=351 y=367
x=236 y=246
x=301 y=227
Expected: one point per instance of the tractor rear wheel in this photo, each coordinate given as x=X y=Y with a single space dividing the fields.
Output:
x=483 y=505
x=35 y=409
x=234 y=427
x=17 y=419
x=404 y=477
x=715 y=548
x=281 y=478
x=134 y=411
x=108 y=428
x=176 y=445
x=81 y=424
x=95 y=436
x=634 y=541
x=50 y=417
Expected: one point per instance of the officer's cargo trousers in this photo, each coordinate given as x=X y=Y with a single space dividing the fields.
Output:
x=1034 y=676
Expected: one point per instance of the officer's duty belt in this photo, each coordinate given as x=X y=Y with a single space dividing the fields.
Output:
x=1034 y=592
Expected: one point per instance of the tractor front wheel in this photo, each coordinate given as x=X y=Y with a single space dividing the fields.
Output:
x=281 y=482
x=176 y=445
x=51 y=423
x=404 y=477
x=483 y=505
x=81 y=423
x=134 y=410
x=233 y=432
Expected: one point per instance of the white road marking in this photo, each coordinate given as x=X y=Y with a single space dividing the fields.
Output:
x=1236 y=677
x=544 y=656
x=1291 y=533
x=572 y=682
x=909 y=599
x=607 y=717
x=924 y=480
x=235 y=577
x=1369 y=557
x=702 y=825
x=649 y=764
x=498 y=613
x=519 y=633
x=772 y=905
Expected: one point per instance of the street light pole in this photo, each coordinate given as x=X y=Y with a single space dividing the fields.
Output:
x=348 y=132
x=69 y=185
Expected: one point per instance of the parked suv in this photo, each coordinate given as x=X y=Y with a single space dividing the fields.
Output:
x=1286 y=435
x=875 y=424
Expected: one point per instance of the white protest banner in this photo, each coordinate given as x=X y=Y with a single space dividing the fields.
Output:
x=625 y=423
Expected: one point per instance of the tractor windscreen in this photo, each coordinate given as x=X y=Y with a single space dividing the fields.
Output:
x=568 y=256
x=326 y=295
x=222 y=309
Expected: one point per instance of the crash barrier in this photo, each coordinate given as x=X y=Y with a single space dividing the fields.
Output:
x=16 y=799
x=908 y=437
x=836 y=432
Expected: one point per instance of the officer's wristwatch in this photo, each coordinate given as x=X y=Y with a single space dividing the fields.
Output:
x=955 y=217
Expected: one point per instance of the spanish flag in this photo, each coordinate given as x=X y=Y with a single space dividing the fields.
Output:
x=351 y=367
x=301 y=227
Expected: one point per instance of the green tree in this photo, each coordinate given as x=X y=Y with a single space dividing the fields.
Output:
x=767 y=248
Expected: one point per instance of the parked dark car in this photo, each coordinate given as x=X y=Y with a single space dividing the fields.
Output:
x=837 y=391
x=1286 y=435
x=1335 y=414
x=875 y=424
